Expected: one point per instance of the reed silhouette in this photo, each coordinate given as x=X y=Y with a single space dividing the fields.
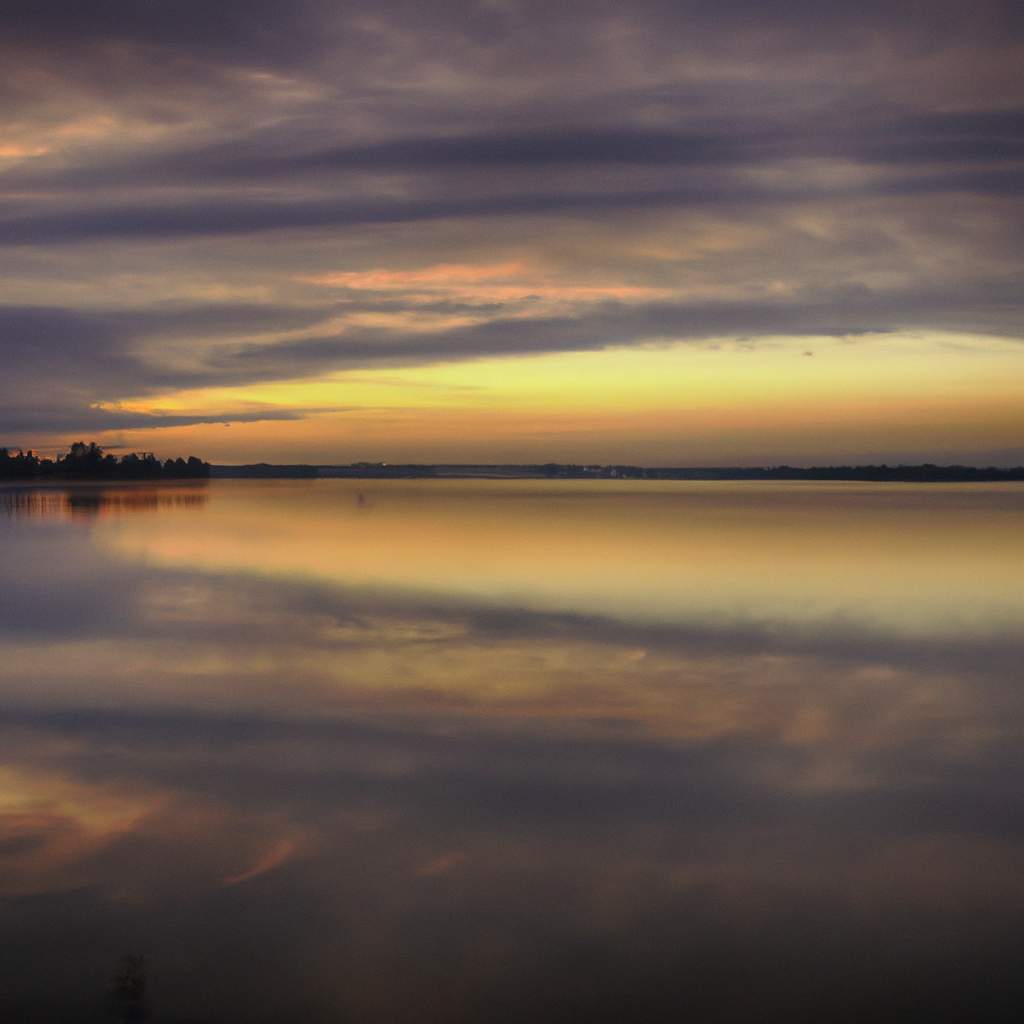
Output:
x=127 y=998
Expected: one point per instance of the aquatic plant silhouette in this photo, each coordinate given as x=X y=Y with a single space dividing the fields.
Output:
x=127 y=998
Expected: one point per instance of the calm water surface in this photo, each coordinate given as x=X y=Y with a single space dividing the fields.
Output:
x=387 y=751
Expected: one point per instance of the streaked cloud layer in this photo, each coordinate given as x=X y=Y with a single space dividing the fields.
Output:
x=354 y=207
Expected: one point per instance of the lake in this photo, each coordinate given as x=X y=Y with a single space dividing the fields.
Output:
x=444 y=751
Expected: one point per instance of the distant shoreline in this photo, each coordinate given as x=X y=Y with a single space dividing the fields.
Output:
x=926 y=473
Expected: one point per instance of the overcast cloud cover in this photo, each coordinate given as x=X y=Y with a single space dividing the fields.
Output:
x=198 y=195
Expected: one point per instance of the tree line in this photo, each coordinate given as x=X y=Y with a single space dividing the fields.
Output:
x=88 y=461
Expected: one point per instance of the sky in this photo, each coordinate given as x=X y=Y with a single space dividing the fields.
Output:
x=664 y=233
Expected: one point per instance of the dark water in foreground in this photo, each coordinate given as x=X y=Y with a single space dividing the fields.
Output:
x=467 y=751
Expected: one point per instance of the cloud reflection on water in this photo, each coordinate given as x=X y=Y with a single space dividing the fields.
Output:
x=327 y=795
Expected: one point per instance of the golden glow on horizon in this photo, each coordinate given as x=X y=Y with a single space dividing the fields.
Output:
x=706 y=402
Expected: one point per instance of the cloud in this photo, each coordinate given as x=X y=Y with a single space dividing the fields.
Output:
x=89 y=359
x=608 y=324
x=33 y=421
x=716 y=159
x=61 y=364
x=898 y=141
x=227 y=216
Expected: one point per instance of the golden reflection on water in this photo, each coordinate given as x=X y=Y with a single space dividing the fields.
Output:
x=86 y=501
x=906 y=556
x=647 y=742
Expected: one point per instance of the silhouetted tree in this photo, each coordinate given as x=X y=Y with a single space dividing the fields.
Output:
x=88 y=461
x=197 y=467
x=16 y=466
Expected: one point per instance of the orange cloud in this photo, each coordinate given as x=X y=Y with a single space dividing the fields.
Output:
x=441 y=275
x=482 y=282
x=14 y=151
x=442 y=865
x=274 y=857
